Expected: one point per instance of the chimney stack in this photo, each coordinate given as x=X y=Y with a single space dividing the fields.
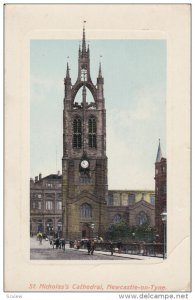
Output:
x=40 y=176
x=36 y=178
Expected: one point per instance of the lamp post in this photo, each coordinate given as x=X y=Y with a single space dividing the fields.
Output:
x=133 y=235
x=92 y=229
x=49 y=228
x=164 y=221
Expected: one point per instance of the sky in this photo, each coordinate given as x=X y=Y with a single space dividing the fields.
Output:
x=134 y=74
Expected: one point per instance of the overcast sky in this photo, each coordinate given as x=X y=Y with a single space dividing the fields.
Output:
x=134 y=74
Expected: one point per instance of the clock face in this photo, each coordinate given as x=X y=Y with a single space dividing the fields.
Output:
x=84 y=164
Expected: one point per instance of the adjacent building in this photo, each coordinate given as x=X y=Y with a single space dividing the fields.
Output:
x=160 y=192
x=46 y=204
x=132 y=206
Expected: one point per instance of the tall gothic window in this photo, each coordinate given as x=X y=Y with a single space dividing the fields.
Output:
x=77 y=133
x=131 y=199
x=142 y=218
x=83 y=75
x=117 y=218
x=92 y=132
x=85 y=211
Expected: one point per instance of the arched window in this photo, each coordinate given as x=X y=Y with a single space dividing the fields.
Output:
x=85 y=211
x=117 y=218
x=142 y=218
x=92 y=132
x=39 y=225
x=83 y=75
x=77 y=133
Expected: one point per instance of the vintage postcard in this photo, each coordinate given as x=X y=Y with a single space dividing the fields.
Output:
x=97 y=148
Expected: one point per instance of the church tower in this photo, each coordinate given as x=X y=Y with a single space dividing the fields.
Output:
x=84 y=162
x=160 y=191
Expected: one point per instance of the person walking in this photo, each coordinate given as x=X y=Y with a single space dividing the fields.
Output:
x=89 y=246
x=92 y=247
x=111 y=248
x=63 y=243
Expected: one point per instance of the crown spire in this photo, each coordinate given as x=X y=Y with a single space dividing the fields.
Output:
x=100 y=70
x=84 y=41
x=159 y=153
x=67 y=71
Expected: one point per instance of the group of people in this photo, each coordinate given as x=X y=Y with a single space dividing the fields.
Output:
x=58 y=243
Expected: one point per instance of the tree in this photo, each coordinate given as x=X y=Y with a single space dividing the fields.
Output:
x=118 y=231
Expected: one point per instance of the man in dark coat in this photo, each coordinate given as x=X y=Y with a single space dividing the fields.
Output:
x=89 y=246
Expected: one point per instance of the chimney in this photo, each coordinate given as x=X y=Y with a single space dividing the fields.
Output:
x=36 y=178
x=40 y=176
x=58 y=173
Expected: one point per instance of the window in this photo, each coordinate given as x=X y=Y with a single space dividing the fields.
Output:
x=117 y=218
x=59 y=205
x=110 y=199
x=85 y=211
x=142 y=218
x=77 y=133
x=39 y=204
x=84 y=178
x=83 y=75
x=34 y=205
x=152 y=199
x=92 y=132
x=49 y=185
x=39 y=225
x=131 y=199
x=59 y=225
x=49 y=205
x=39 y=196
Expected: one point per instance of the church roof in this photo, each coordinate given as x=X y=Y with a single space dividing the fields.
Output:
x=53 y=176
x=159 y=153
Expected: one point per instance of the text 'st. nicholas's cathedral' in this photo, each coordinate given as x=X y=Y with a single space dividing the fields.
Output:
x=84 y=162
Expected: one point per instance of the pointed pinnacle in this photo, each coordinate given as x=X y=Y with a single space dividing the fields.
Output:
x=83 y=41
x=100 y=70
x=67 y=71
x=159 y=153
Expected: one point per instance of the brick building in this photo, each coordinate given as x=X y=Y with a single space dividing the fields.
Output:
x=46 y=204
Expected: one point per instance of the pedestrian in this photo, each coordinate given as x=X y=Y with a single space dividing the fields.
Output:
x=111 y=248
x=63 y=243
x=78 y=245
x=89 y=246
x=57 y=242
x=40 y=237
x=92 y=247
x=75 y=244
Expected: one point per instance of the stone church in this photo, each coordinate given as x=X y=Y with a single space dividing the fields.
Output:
x=78 y=202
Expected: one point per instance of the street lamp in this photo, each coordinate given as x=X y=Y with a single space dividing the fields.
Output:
x=164 y=221
x=133 y=235
x=92 y=228
x=49 y=228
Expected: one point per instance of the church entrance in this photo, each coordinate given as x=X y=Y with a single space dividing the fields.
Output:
x=85 y=231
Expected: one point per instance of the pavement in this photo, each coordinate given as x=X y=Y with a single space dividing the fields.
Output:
x=45 y=251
